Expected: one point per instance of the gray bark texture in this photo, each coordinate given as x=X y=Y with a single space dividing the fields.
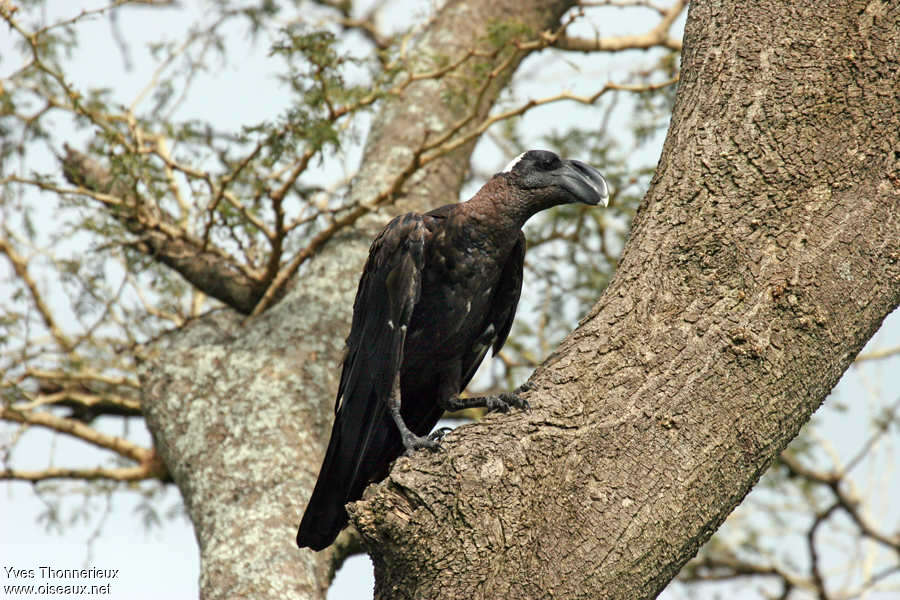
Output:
x=765 y=254
x=241 y=412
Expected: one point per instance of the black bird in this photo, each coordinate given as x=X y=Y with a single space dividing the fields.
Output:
x=437 y=291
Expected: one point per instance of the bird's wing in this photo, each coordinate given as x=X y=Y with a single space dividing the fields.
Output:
x=503 y=310
x=508 y=290
x=388 y=291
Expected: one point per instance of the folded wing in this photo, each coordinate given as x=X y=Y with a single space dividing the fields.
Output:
x=387 y=294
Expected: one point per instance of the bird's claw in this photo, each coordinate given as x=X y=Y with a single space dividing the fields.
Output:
x=505 y=401
x=438 y=434
x=431 y=442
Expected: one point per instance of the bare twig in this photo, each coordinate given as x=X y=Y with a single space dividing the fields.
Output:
x=878 y=354
x=136 y=473
x=515 y=112
x=78 y=430
x=20 y=266
x=84 y=376
x=843 y=500
x=658 y=36
x=814 y=557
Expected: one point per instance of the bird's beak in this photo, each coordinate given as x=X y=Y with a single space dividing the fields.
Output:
x=584 y=182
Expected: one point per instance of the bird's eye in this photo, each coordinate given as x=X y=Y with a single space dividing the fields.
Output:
x=548 y=163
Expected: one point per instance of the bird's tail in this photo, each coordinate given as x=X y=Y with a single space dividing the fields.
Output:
x=364 y=442
x=325 y=515
x=347 y=469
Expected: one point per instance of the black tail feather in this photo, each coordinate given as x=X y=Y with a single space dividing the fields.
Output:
x=324 y=517
x=345 y=472
x=364 y=442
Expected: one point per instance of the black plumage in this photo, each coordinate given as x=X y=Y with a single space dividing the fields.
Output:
x=437 y=291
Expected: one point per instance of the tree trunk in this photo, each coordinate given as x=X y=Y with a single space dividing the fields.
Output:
x=765 y=254
x=241 y=414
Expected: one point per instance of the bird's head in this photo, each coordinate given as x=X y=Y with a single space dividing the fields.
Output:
x=545 y=176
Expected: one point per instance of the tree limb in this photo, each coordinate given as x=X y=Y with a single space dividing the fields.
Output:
x=726 y=325
x=658 y=36
x=20 y=266
x=140 y=472
x=78 y=430
x=160 y=238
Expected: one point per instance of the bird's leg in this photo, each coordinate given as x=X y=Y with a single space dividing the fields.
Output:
x=411 y=441
x=502 y=402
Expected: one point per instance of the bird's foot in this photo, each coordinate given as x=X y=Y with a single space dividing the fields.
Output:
x=501 y=403
x=505 y=401
x=508 y=400
x=432 y=442
x=525 y=387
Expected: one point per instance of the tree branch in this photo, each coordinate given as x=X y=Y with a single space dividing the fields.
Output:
x=20 y=267
x=725 y=327
x=658 y=36
x=140 y=472
x=78 y=430
x=878 y=354
x=214 y=273
x=726 y=566
x=843 y=499
x=446 y=143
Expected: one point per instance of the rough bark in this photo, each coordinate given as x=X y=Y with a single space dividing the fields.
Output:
x=765 y=254
x=241 y=414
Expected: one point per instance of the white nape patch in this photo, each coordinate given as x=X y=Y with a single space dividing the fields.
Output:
x=512 y=163
x=390 y=324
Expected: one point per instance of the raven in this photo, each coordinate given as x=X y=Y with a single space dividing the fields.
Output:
x=437 y=291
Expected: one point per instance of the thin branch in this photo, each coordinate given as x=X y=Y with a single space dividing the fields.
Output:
x=368 y=28
x=20 y=266
x=656 y=37
x=73 y=96
x=277 y=197
x=276 y=286
x=162 y=149
x=399 y=88
x=154 y=79
x=878 y=354
x=85 y=13
x=120 y=404
x=137 y=473
x=815 y=569
x=623 y=4
x=83 y=376
x=79 y=430
x=455 y=128
x=881 y=429
x=487 y=123
x=207 y=267
x=721 y=566
x=222 y=192
x=843 y=500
